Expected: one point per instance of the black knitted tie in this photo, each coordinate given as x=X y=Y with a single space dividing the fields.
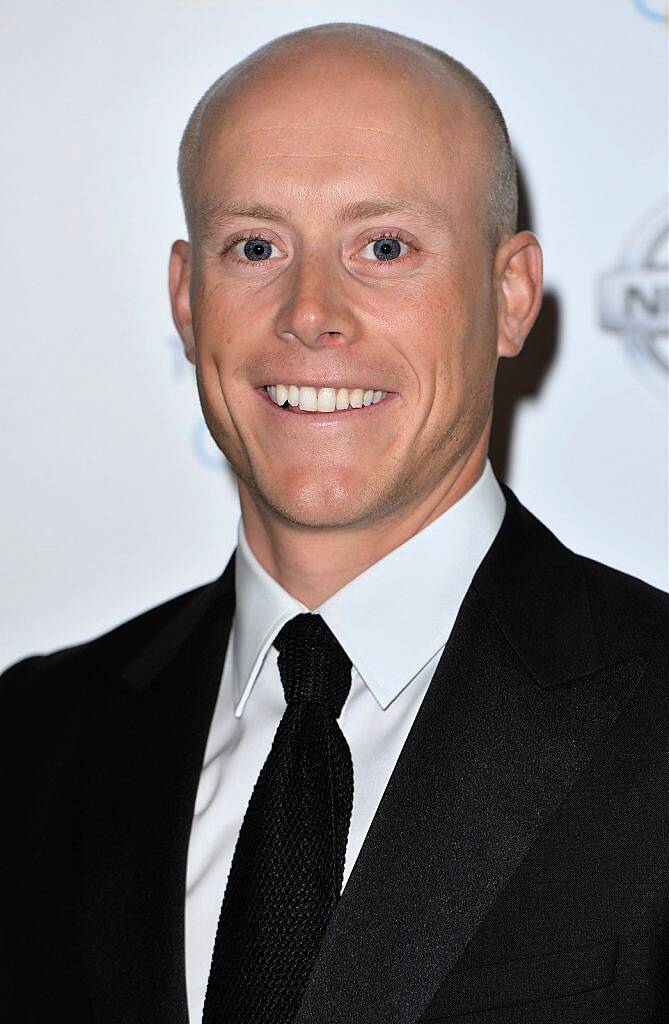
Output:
x=288 y=866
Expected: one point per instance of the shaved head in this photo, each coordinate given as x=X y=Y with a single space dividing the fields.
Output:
x=395 y=54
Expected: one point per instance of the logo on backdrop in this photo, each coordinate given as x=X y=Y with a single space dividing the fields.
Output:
x=634 y=297
x=655 y=10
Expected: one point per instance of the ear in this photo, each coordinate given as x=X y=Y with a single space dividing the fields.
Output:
x=519 y=276
x=179 y=284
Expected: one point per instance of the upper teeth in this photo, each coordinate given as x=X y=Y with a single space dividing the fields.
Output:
x=323 y=399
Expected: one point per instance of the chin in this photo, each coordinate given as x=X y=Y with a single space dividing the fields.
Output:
x=317 y=506
x=316 y=512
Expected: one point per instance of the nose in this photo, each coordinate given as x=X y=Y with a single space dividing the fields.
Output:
x=315 y=308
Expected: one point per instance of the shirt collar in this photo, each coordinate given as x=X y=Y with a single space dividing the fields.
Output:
x=415 y=591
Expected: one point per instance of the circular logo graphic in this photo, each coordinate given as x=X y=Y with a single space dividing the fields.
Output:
x=656 y=10
x=634 y=298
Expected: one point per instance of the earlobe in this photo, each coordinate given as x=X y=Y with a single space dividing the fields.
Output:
x=519 y=271
x=179 y=287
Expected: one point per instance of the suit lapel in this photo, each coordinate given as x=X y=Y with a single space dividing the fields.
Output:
x=140 y=767
x=495 y=747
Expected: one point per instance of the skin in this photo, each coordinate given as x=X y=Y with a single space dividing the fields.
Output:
x=322 y=503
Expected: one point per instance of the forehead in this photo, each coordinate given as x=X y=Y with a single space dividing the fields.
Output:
x=302 y=133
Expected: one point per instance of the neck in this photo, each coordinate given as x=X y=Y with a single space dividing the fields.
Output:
x=311 y=564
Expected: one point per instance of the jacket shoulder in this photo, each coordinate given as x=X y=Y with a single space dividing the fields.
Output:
x=565 y=613
x=629 y=615
x=34 y=676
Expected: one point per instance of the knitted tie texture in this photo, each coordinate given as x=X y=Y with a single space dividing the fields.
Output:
x=287 y=870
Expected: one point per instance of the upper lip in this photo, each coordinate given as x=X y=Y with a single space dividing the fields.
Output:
x=321 y=382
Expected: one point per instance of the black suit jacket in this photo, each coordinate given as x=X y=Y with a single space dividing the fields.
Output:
x=516 y=868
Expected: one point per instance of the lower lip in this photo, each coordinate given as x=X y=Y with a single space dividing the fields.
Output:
x=349 y=415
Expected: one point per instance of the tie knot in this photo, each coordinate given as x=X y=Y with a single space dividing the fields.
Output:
x=312 y=663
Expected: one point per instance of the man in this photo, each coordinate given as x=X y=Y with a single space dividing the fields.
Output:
x=404 y=760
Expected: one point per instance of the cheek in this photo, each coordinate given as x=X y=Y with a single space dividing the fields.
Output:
x=215 y=336
x=216 y=315
x=225 y=330
x=459 y=342
x=474 y=312
x=226 y=307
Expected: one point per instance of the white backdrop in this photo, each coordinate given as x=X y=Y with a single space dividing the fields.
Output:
x=114 y=498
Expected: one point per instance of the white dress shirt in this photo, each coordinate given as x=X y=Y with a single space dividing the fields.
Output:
x=393 y=621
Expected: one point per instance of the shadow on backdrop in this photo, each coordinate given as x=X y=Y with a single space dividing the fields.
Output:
x=522 y=376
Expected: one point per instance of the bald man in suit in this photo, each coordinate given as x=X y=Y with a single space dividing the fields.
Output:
x=497 y=806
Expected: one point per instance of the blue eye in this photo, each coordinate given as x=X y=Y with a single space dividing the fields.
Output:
x=385 y=248
x=257 y=249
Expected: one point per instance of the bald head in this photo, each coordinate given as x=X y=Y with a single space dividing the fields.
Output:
x=396 y=54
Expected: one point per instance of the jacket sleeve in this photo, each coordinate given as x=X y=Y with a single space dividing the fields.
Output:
x=11 y=680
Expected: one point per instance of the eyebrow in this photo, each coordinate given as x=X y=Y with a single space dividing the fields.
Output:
x=215 y=212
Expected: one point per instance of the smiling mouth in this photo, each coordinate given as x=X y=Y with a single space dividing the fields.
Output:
x=350 y=414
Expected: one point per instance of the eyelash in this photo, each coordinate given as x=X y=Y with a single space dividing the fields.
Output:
x=247 y=236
